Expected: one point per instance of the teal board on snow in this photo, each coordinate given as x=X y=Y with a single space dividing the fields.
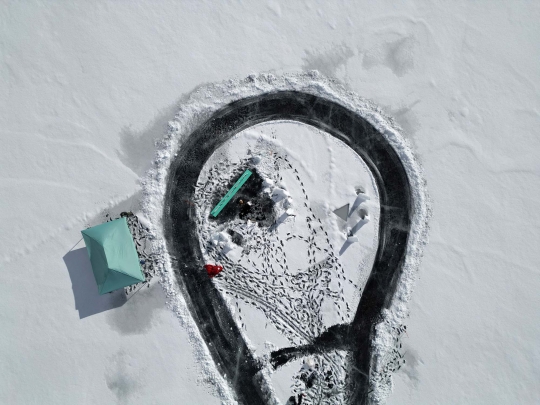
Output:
x=230 y=194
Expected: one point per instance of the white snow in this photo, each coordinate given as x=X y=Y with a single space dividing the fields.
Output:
x=87 y=87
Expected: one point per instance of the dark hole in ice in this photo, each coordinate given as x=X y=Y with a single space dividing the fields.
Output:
x=236 y=238
x=249 y=203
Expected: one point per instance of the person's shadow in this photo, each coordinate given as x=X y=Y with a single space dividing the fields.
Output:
x=87 y=299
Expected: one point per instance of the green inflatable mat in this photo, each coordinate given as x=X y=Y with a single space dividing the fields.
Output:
x=230 y=194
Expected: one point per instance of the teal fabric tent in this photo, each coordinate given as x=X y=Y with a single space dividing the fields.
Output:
x=113 y=255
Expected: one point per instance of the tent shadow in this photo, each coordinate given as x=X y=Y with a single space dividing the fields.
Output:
x=87 y=299
x=355 y=229
x=344 y=247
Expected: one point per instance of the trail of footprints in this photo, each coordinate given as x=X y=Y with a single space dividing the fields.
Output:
x=149 y=260
x=395 y=358
x=291 y=301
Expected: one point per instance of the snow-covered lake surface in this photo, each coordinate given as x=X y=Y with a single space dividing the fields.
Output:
x=88 y=87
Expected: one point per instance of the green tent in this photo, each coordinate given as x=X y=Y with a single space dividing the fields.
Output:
x=113 y=255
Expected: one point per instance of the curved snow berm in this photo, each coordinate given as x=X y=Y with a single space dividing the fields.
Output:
x=211 y=116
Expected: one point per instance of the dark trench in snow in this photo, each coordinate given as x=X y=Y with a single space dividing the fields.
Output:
x=209 y=310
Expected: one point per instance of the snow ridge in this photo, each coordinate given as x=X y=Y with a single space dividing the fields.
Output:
x=200 y=105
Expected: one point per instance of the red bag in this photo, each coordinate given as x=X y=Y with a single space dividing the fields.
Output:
x=212 y=270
